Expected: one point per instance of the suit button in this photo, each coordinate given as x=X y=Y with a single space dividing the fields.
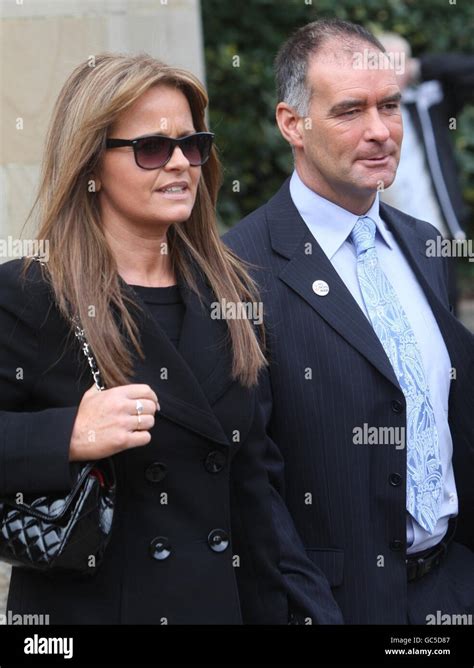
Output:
x=214 y=462
x=156 y=472
x=396 y=545
x=218 y=540
x=395 y=479
x=160 y=548
x=397 y=406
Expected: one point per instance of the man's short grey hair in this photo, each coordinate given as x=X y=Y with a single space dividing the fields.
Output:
x=291 y=62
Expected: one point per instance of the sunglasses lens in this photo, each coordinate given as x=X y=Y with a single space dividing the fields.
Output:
x=153 y=152
x=196 y=148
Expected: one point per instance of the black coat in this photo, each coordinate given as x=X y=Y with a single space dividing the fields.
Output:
x=347 y=503
x=203 y=471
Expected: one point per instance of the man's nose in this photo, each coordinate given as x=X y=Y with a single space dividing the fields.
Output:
x=376 y=129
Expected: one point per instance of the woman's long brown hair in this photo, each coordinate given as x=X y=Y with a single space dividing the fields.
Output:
x=81 y=268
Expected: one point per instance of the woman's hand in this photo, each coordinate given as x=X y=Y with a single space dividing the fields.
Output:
x=107 y=421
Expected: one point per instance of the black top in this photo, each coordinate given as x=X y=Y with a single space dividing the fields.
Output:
x=166 y=306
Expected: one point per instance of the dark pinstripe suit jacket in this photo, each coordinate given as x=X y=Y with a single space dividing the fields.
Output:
x=329 y=374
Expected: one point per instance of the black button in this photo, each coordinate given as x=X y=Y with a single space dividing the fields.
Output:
x=160 y=548
x=218 y=540
x=395 y=479
x=396 y=545
x=214 y=462
x=397 y=406
x=156 y=472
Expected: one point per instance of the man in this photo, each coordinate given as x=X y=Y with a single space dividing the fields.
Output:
x=365 y=354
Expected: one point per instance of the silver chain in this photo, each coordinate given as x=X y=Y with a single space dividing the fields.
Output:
x=79 y=332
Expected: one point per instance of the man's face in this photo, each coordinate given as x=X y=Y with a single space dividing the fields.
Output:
x=353 y=133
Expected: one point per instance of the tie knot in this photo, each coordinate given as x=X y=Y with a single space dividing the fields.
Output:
x=363 y=234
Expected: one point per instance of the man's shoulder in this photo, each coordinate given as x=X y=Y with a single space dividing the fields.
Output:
x=396 y=218
x=251 y=236
x=254 y=222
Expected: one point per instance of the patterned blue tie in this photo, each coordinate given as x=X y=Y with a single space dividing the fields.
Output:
x=390 y=323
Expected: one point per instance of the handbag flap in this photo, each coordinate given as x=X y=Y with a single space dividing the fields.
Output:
x=59 y=506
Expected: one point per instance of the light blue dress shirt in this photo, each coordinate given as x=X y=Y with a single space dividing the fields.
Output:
x=331 y=225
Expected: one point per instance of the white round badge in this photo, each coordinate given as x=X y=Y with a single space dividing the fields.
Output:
x=321 y=288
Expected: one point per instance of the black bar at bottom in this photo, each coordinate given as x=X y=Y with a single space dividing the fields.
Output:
x=141 y=645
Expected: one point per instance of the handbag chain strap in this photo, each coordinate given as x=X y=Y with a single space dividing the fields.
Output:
x=80 y=335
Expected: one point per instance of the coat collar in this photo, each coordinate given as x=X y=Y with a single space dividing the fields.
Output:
x=291 y=238
x=187 y=380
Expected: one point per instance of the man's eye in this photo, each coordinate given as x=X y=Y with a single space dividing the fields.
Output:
x=349 y=113
x=392 y=106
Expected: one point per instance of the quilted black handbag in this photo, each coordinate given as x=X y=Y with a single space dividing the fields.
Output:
x=63 y=533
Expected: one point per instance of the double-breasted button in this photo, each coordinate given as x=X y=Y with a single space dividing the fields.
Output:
x=214 y=462
x=397 y=406
x=395 y=479
x=218 y=540
x=160 y=548
x=396 y=545
x=156 y=472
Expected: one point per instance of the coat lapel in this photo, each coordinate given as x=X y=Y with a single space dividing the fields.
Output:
x=412 y=241
x=291 y=238
x=188 y=380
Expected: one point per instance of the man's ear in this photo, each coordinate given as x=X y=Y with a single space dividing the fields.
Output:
x=290 y=124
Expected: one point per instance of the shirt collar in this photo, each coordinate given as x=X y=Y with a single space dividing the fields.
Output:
x=329 y=223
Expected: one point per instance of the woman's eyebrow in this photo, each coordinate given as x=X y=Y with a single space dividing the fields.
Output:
x=161 y=133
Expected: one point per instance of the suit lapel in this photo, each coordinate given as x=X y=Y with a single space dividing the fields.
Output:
x=413 y=244
x=291 y=238
x=189 y=379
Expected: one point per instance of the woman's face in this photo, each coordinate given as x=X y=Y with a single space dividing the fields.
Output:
x=130 y=195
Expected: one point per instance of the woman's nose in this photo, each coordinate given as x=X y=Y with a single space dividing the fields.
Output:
x=178 y=160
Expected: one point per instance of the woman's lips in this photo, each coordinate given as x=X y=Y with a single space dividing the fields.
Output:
x=183 y=194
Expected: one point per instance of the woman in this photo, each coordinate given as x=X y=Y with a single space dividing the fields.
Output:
x=134 y=250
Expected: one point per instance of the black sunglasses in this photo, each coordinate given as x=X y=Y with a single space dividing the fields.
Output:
x=155 y=150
